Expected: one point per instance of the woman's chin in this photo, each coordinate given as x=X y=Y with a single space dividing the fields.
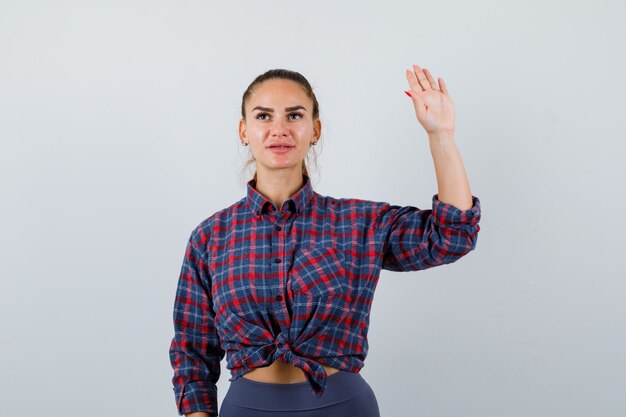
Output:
x=284 y=164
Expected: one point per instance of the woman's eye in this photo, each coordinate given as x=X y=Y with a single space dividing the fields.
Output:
x=258 y=116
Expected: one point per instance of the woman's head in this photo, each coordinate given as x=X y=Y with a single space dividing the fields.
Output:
x=279 y=106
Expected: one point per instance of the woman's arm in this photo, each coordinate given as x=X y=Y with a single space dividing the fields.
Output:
x=435 y=112
x=452 y=180
x=195 y=350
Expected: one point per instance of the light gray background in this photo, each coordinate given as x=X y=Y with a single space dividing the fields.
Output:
x=118 y=136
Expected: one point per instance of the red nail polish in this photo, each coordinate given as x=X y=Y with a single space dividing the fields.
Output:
x=408 y=94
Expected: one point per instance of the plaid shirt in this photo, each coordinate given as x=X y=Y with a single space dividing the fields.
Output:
x=296 y=283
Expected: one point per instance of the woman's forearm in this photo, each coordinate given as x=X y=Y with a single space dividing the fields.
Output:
x=452 y=179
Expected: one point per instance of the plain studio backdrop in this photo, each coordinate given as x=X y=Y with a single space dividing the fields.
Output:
x=118 y=128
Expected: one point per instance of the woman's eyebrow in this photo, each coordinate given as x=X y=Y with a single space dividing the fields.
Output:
x=267 y=109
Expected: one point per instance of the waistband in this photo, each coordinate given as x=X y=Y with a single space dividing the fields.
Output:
x=266 y=396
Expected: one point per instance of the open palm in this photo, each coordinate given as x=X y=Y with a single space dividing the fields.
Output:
x=433 y=105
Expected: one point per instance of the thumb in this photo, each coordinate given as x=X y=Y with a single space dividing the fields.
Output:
x=417 y=101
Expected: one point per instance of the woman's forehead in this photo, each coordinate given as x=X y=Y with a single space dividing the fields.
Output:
x=284 y=92
x=278 y=86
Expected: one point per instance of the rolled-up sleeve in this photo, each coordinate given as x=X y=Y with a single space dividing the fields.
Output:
x=414 y=239
x=195 y=351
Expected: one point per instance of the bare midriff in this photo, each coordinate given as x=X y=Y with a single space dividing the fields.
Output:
x=282 y=373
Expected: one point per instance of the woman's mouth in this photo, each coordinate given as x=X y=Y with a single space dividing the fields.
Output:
x=280 y=149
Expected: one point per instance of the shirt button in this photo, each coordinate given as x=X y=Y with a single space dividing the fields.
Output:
x=278 y=228
x=277 y=260
x=279 y=297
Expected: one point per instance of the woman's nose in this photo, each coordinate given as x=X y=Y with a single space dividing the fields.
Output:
x=279 y=127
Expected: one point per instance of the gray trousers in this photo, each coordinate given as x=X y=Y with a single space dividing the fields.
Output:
x=347 y=394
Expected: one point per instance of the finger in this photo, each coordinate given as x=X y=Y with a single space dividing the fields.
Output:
x=421 y=77
x=442 y=85
x=431 y=79
x=415 y=85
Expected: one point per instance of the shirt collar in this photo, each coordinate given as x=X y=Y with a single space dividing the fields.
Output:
x=258 y=203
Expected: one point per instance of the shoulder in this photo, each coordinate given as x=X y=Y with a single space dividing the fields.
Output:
x=202 y=232
x=352 y=205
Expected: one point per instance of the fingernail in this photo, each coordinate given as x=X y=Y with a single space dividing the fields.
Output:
x=407 y=93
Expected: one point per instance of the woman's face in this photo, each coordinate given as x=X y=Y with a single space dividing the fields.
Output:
x=279 y=111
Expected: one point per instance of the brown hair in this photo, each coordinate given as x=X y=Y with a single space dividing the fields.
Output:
x=282 y=74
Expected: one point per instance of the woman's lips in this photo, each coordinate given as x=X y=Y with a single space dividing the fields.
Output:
x=280 y=149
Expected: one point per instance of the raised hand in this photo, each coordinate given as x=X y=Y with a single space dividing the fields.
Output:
x=433 y=106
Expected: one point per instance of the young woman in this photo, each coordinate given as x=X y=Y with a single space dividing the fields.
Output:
x=283 y=279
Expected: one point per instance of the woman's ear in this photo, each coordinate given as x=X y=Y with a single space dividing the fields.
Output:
x=317 y=128
x=242 y=130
